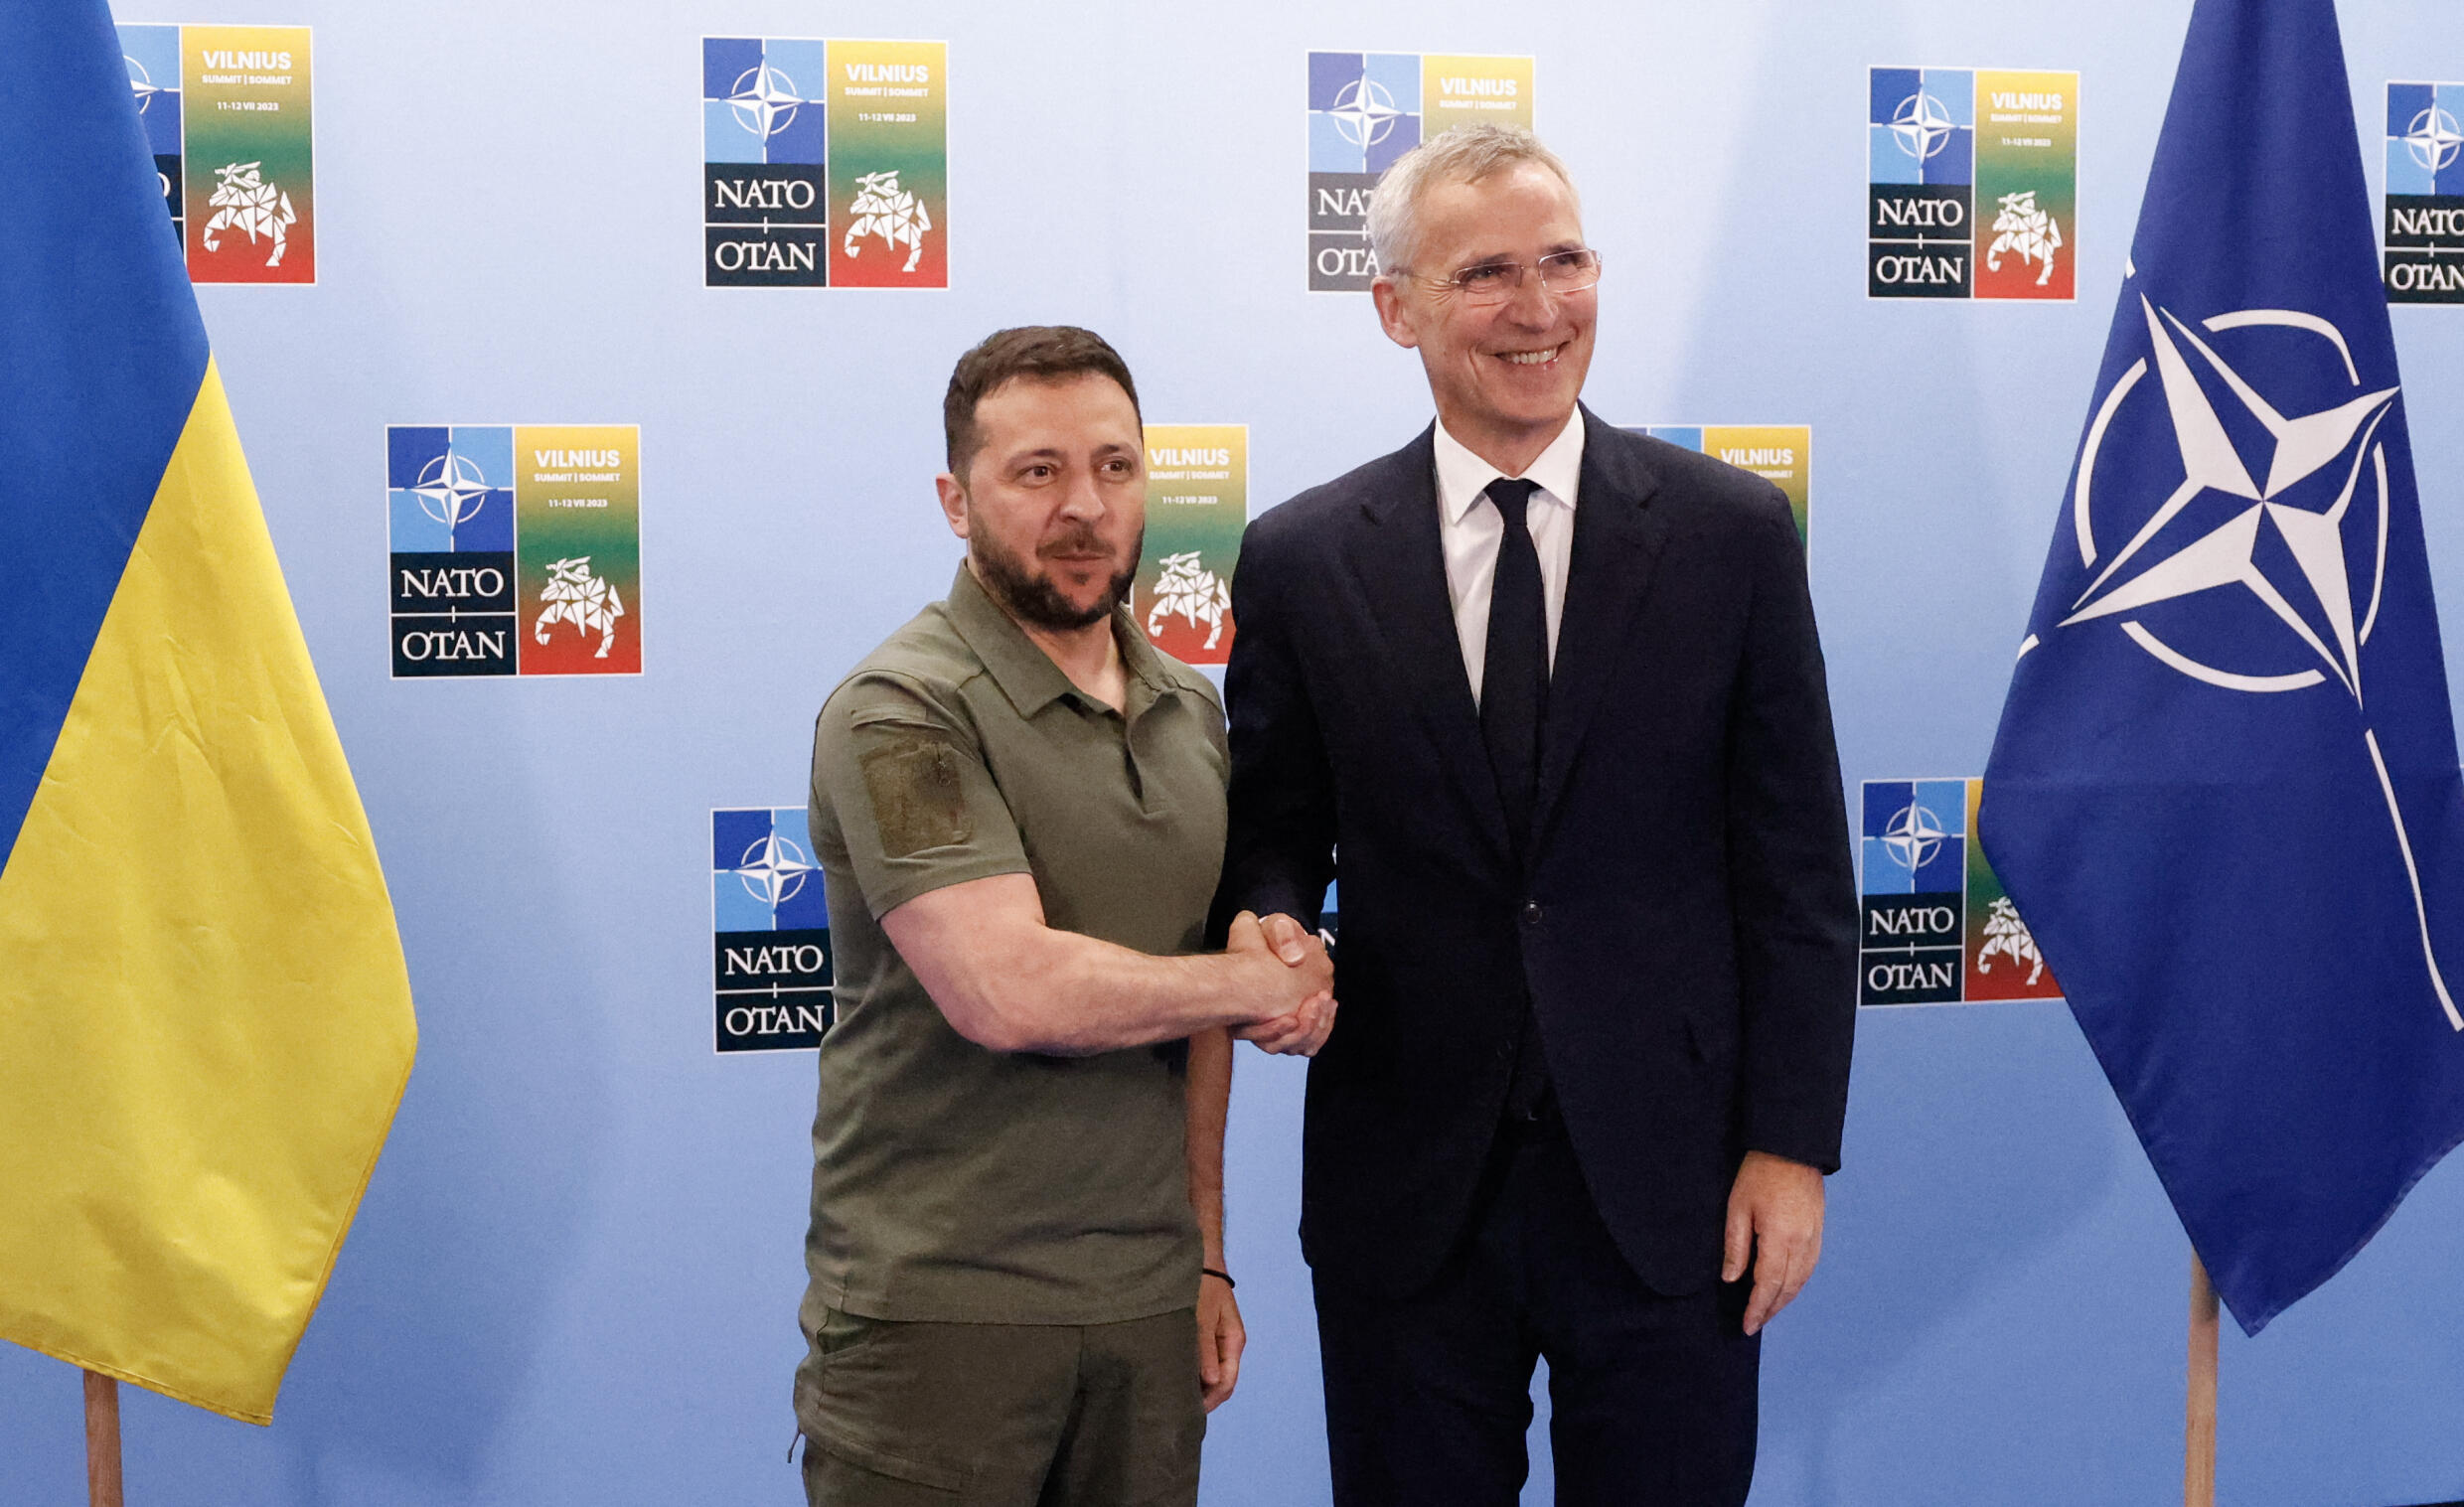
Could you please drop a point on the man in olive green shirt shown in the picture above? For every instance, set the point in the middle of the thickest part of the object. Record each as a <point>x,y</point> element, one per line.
<point>1017,1291</point>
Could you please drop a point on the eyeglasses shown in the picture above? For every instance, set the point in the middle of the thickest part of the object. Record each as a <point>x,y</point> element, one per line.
<point>1493,282</point>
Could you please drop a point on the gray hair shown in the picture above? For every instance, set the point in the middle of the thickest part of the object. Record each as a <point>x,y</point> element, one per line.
<point>1465,154</point>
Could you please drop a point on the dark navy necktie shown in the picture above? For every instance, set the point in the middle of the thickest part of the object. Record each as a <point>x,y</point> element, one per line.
<point>1514,676</point>
<point>1515,704</point>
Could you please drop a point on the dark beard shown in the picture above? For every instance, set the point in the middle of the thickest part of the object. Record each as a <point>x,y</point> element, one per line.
<point>1029,594</point>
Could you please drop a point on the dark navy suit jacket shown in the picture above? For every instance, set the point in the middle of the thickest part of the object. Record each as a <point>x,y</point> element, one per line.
<point>1684,917</point>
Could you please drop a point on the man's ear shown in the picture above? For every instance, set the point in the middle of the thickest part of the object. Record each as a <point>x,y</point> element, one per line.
<point>953,503</point>
<point>1387,294</point>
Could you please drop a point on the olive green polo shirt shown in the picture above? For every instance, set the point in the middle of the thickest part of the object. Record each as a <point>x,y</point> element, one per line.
<point>952,1183</point>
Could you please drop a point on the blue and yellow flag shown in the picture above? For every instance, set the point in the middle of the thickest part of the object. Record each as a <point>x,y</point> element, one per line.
<point>205,1022</point>
<point>2225,792</point>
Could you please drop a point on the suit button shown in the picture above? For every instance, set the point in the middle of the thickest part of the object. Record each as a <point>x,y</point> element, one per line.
<point>1531,914</point>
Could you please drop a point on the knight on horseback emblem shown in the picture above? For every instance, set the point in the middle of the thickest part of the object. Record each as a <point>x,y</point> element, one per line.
<point>1190,591</point>
<point>573,596</point>
<point>883,208</point>
<point>2006,934</point>
<point>2023,227</point>
<point>245,201</point>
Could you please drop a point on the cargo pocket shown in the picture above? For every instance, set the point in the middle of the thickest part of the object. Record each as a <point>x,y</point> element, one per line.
<point>839,1472</point>
<point>838,1333</point>
<point>859,1389</point>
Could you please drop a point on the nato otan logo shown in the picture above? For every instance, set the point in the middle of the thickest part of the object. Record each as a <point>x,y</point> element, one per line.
<point>769,932</point>
<point>765,187</point>
<point>2425,229</point>
<point>450,522</point>
<point>1363,114</point>
<point>1938,926</point>
<point>1365,110</point>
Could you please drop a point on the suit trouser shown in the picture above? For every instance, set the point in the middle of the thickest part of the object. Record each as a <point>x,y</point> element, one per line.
<point>1652,1399</point>
<point>937,1414</point>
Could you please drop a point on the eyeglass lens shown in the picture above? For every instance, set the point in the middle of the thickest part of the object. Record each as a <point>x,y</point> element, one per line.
<point>1560,271</point>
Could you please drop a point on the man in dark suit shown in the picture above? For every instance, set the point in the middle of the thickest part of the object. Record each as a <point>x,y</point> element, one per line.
<point>1553,691</point>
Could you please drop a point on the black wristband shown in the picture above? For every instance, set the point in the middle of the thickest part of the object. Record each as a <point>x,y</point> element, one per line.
<point>1226,1275</point>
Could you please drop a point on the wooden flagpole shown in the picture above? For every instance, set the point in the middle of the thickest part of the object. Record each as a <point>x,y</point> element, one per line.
<point>2199,1436</point>
<point>102,1441</point>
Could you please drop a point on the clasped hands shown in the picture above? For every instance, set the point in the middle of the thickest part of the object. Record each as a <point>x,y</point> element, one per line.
<point>1295,983</point>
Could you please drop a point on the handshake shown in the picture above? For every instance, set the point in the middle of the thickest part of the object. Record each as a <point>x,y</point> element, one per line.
<point>1287,973</point>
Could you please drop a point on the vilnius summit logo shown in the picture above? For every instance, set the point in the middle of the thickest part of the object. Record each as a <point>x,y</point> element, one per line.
<point>1781,454</point>
<point>1938,927</point>
<point>1973,184</point>
<point>516,548</point>
<point>825,163</point>
<point>1198,504</point>
<point>226,111</point>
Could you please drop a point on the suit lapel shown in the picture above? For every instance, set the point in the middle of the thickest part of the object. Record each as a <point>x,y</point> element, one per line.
<point>1395,554</point>
<point>1617,541</point>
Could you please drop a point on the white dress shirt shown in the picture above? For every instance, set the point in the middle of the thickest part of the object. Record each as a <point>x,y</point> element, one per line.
<point>1469,529</point>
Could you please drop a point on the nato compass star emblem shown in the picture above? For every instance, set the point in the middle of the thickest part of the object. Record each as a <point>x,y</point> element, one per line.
<point>450,489</point>
<point>140,83</point>
<point>1922,125</point>
<point>765,101</point>
<point>2169,560</point>
<point>2303,446</point>
<point>1914,836</point>
<point>1364,113</point>
<point>773,869</point>
<point>2433,138</point>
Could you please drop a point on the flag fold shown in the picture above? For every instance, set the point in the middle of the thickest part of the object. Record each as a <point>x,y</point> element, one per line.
<point>2224,791</point>
<point>205,1020</point>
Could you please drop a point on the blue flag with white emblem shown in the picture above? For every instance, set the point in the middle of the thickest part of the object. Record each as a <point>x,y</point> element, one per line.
<point>2224,791</point>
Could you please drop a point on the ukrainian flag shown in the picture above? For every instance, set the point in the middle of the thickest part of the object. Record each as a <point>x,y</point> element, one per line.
<point>204,1022</point>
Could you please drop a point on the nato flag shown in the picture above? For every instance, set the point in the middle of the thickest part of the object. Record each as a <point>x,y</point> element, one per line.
<point>2225,792</point>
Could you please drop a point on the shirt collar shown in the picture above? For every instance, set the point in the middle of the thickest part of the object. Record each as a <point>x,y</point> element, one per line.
<point>1463,476</point>
<point>1020,667</point>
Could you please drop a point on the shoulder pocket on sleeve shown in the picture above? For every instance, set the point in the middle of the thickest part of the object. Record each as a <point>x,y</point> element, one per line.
<point>918,800</point>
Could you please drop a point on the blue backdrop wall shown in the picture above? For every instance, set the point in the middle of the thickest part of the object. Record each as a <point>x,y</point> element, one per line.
<point>575,1273</point>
